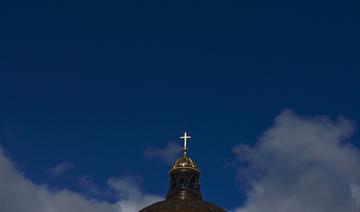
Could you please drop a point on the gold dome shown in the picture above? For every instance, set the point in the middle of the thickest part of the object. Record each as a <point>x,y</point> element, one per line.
<point>184,163</point>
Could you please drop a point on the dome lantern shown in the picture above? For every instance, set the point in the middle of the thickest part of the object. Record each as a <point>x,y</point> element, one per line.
<point>184,188</point>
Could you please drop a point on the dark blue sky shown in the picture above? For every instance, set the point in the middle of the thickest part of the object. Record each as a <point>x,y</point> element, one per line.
<point>96,83</point>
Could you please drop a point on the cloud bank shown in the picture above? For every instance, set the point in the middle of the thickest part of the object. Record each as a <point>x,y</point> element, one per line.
<point>168,154</point>
<point>18,194</point>
<point>301,164</point>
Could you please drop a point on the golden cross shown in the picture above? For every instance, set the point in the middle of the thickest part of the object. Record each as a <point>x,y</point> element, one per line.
<point>185,137</point>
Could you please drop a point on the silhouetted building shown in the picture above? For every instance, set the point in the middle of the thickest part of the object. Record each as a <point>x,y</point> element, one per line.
<point>184,188</point>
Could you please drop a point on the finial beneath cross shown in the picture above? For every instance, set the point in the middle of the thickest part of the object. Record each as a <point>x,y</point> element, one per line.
<point>185,137</point>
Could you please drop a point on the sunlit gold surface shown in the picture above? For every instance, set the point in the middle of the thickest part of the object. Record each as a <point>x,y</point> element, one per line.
<point>185,162</point>
<point>185,137</point>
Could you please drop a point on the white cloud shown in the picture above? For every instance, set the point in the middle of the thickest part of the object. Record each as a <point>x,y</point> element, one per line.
<point>18,194</point>
<point>302,164</point>
<point>61,168</point>
<point>168,154</point>
<point>132,198</point>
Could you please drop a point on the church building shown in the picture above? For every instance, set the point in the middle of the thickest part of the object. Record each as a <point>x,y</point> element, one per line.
<point>184,188</point>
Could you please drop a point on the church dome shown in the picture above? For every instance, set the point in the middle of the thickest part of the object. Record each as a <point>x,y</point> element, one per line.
<point>188,205</point>
<point>184,162</point>
<point>184,189</point>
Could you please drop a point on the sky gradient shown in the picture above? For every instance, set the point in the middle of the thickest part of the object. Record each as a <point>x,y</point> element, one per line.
<point>95,95</point>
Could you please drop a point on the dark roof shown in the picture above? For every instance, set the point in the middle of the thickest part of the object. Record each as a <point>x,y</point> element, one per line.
<point>179,205</point>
